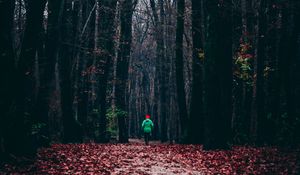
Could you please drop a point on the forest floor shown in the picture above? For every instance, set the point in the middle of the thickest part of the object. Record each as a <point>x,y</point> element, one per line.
<point>157,158</point>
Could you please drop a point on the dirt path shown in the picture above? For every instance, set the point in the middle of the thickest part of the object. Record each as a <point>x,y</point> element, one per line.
<point>143,159</point>
<point>147,160</point>
<point>116,159</point>
<point>135,158</point>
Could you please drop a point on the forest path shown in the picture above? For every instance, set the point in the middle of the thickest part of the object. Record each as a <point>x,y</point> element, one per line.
<point>143,159</point>
<point>135,158</point>
<point>117,159</point>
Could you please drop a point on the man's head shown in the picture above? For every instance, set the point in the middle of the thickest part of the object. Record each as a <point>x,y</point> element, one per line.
<point>147,116</point>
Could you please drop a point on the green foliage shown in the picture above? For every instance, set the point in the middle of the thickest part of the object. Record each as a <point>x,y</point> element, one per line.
<point>115,112</point>
<point>243,63</point>
<point>112,115</point>
<point>37,127</point>
<point>201,54</point>
<point>35,131</point>
<point>95,111</point>
<point>267,71</point>
<point>38,133</point>
<point>113,132</point>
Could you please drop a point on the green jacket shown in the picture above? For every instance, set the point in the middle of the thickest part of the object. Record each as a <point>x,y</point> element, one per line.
<point>147,125</point>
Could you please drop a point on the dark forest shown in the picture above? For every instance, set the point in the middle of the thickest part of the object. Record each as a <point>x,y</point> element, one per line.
<point>216,76</point>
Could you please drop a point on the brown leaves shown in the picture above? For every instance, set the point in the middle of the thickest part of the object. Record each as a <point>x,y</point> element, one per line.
<point>157,159</point>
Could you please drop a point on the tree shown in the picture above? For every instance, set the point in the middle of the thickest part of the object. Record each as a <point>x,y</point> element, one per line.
<point>218,74</point>
<point>243,48</point>
<point>26,79</point>
<point>179,70</point>
<point>83,99</point>
<point>47,62</point>
<point>103,62</point>
<point>7,75</point>
<point>296,71</point>
<point>127,7</point>
<point>161,65</point>
<point>287,71</point>
<point>259,98</point>
<point>196,109</point>
<point>71,129</point>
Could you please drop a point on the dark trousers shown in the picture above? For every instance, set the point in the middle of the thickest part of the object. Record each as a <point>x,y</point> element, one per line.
<point>147,137</point>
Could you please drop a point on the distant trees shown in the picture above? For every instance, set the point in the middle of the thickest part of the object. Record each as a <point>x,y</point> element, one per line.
<point>243,88</point>
<point>152,69</point>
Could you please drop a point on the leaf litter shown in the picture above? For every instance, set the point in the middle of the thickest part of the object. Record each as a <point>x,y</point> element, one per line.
<point>137,158</point>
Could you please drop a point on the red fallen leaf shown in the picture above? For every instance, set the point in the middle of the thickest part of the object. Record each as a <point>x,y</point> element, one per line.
<point>65,168</point>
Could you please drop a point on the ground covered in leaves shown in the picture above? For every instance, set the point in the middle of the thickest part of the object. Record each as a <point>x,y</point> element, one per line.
<point>136,158</point>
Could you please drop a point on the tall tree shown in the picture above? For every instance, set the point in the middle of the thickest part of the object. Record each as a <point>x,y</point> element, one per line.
<point>33,34</point>
<point>218,74</point>
<point>296,61</point>
<point>66,60</point>
<point>287,63</point>
<point>84,64</point>
<point>196,113</point>
<point>158,39</point>
<point>161,65</point>
<point>181,95</point>
<point>259,98</point>
<point>273,67</point>
<point>105,45</point>
<point>7,75</point>
<point>26,79</point>
<point>127,8</point>
<point>47,62</point>
<point>243,72</point>
<point>163,71</point>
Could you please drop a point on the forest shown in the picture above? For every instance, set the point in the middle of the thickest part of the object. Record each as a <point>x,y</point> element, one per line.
<point>218,74</point>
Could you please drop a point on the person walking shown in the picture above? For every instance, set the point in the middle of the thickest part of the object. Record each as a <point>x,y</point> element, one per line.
<point>147,126</point>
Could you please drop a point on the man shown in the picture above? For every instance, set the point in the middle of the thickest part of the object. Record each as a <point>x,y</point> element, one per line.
<point>147,126</point>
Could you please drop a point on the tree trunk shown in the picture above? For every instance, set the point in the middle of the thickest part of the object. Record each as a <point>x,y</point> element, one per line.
<point>26,80</point>
<point>183,115</point>
<point>161,65</point>
<point>272,78</point>
<point>106,35</point>
<point>287,69</point>
<point>260,94</point>
<point>163,72</point>
<point>86,63</point>
<point>122,67</point>
<point>196,114</point>
<point>218,75</point>
<point>7,75</point>
<point>70,126</point>
<point>295,67</point>
<point>47,63</point>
